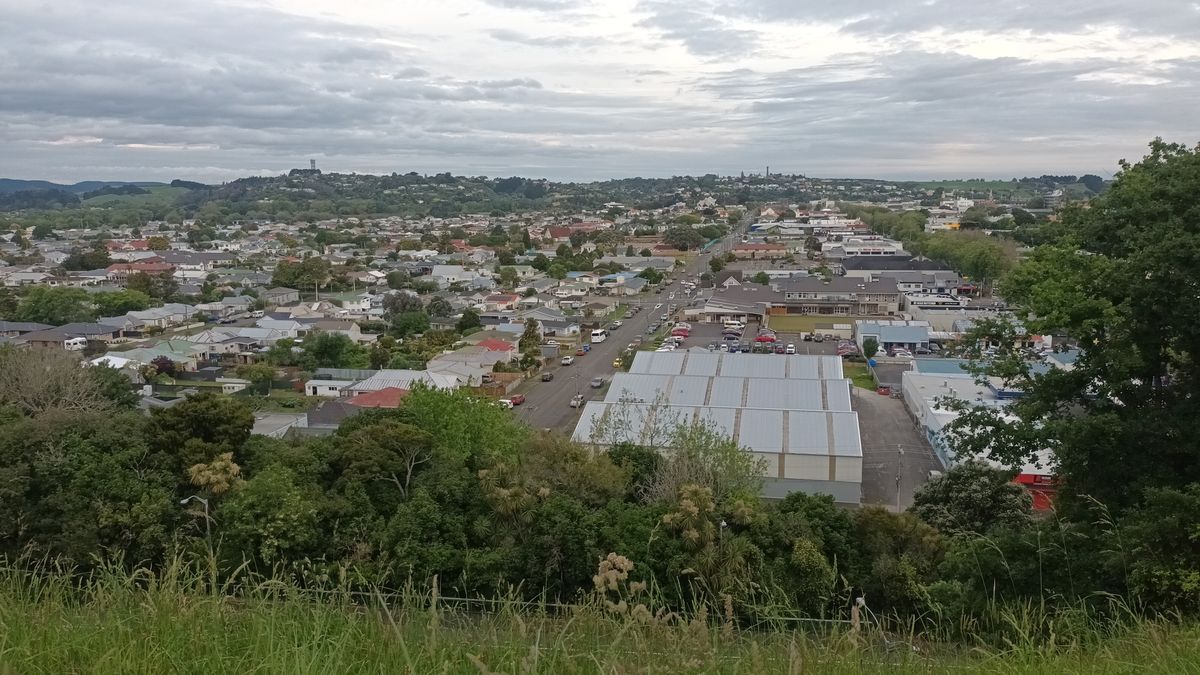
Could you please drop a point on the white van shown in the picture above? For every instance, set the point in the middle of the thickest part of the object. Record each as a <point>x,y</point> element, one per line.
<point>257,314</point>
<point>75,344</point>
<point>735,324</point>
<point>599,335</point>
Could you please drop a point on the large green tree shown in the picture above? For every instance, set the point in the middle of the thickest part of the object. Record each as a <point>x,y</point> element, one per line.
<point>55,306</point>
<point>1115,280</point>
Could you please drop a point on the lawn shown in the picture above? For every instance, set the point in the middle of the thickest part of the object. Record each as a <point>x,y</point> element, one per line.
<point>143,623</point>
<point>859,374</point>
<point>163,195</point>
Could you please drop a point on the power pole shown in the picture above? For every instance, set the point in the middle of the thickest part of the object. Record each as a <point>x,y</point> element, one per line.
<point>899,470</point>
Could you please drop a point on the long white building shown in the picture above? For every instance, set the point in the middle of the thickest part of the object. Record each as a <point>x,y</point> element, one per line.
<point>791,411</point>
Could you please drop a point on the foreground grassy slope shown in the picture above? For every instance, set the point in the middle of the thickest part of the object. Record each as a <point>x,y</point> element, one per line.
<point>139,625</point>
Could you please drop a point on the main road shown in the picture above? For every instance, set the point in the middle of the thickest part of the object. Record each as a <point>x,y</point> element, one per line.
<point>547,404</point>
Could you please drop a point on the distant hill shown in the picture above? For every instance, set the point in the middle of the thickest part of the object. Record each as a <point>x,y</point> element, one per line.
<point>9,185</point>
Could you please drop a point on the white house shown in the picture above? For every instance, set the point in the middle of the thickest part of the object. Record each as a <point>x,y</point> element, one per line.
<point>326,388</point>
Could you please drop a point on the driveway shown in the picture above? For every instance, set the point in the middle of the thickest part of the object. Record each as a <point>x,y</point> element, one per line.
<point>886,429</point>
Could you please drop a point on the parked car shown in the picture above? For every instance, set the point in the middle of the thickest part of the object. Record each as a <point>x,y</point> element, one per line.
<point>712,346</point>
<point>744,347</point>
<point>597,382</point>
<point>779,348</point>
<point>546,377</point>
<point>664,317</point>
<point>580,352</point>
<point>734,348</point>
<point>615,325</point>
<point>807,337</point>
<point>765,338</point>
<point>577,401</point>
<point>617,363</point>
<point>568,360</point>
<point>818,338</point>
<point>724,346</point>
<point>505,403</point>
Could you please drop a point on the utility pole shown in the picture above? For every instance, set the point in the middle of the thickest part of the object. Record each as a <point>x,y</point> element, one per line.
<point>899,470</point>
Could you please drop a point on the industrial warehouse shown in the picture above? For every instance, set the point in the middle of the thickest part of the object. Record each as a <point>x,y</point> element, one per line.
<point>791,411</point>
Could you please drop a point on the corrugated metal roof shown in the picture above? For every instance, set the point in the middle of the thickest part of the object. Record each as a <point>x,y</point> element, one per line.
<point>726,392</point>
<point>761,430</point>
<point>731,392</point>
<point>775,366</point>
<point>702,363</point>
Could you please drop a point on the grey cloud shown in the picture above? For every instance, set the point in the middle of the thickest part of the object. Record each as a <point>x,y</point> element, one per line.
<point>696,26</point>
<point>539,5</point>
<point>410,73</point>
<point>517,37</point>
<point>215,91</point>
<point>1157,17</point>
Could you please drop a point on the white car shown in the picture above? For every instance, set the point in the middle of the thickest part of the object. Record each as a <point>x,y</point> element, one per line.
<point>568,360</point>
<point>791,348</point>
<point>617,324</point>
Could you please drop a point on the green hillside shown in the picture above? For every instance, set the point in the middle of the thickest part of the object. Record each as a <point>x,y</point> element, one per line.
<point>159,196</point>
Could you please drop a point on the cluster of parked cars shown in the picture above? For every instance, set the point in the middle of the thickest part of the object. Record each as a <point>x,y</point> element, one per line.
<point>679,332</point>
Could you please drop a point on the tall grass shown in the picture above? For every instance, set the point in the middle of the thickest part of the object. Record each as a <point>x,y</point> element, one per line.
<point>179,620</point>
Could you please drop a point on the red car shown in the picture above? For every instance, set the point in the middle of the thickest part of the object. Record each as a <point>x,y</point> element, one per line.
<point>765,338</point>
<point>517,399</point>
<point>580,352</point>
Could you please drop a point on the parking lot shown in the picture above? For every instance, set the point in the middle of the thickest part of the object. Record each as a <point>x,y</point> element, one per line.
<point>704,334</point>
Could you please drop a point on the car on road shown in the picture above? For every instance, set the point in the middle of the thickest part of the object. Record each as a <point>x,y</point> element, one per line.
<point>615,325</point>
<point>568,360</point>
<point>515,399</point>
<point>580,352</point>
<point>617,363</point>
<point>664,317</point>
<point>724,346</point>
<point>577,401</point>
<point>597,382</point>
<point>504,403</point>
<point>712,346</point>
<point>547,377</point>
<point>791,348</point>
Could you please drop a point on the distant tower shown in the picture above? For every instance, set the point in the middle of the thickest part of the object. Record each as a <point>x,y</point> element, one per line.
<point>312,164</point>
<point>768,171</point>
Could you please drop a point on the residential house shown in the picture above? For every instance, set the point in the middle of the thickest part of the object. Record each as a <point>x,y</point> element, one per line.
<point>13,329</point>
<point>499,302</point>
<point>280,296</point>
<point>119,273</point>
<point>403,379</point>
<point>56,338</point>
<point>342,327</point>
<point>326,388</point>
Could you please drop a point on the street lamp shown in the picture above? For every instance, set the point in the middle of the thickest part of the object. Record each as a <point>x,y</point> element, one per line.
<point>207,518</point>
<point>899,469</point>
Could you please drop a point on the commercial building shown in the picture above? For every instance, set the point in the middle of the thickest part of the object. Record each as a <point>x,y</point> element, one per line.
<point>840,296</point>
<point>933,382</point>
<point>792,412</point>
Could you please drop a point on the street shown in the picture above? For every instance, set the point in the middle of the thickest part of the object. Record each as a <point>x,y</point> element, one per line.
<point>547,404</point>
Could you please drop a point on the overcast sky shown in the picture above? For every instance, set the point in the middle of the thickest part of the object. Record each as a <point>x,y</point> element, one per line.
<point>583,89</point>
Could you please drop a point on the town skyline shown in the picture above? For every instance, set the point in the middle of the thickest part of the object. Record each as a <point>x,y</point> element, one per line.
<point>579,90</point>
